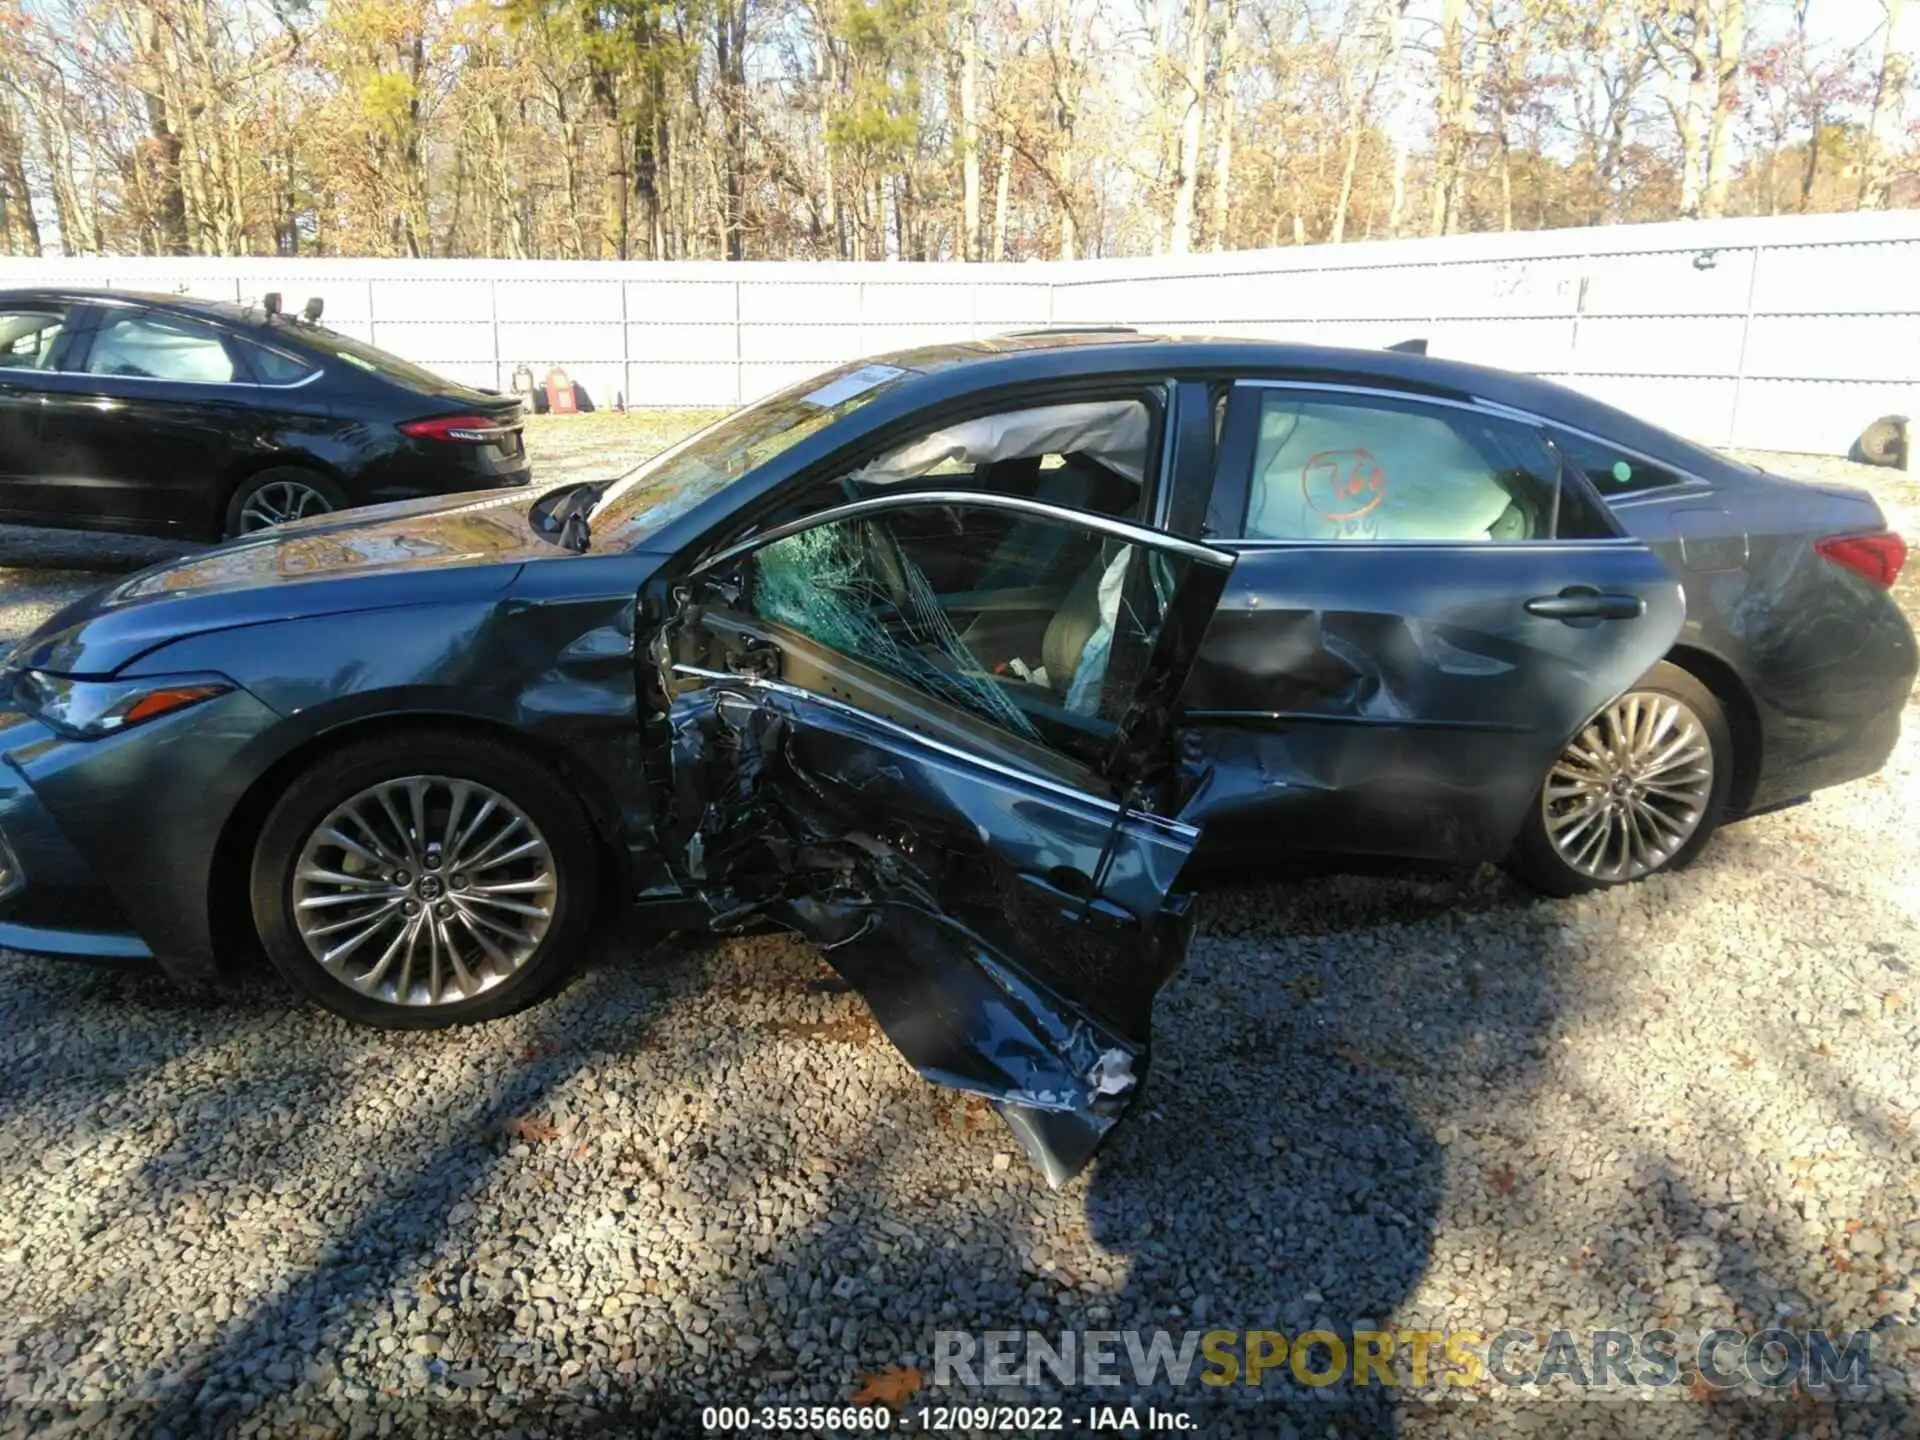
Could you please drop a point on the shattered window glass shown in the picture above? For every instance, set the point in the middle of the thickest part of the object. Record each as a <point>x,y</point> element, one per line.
<point>1038,625</point>
<point>1332,467</point>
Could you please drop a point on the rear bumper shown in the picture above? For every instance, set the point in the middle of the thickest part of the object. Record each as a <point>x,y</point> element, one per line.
<point>1836,719</point>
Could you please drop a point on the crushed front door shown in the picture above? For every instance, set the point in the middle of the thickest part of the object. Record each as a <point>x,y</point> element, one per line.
<point>982,850</point>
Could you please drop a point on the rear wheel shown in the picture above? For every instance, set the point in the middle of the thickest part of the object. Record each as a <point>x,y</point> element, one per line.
<point>1639,790</point>
<point>425,880</point>
<point>273,497</point>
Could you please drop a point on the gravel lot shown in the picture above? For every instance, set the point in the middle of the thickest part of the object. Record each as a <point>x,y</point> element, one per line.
<point>694,1178</point>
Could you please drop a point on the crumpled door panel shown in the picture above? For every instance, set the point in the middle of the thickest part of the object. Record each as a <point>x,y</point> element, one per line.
<point>958,898</point>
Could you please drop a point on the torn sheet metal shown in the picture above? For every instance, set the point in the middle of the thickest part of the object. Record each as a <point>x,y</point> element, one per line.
<point>957,897</point>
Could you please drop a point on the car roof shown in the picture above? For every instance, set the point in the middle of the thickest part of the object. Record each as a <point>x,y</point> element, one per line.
<point>224,310</point>
<point>1063,352</point>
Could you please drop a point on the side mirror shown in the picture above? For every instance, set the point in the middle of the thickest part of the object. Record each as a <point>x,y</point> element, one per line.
<point>271,303</point>
<point>315,308</point>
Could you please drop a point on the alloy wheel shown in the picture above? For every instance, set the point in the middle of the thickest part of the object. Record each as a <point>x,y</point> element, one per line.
<point>424,890</point>
<point>279,501</point>
<point>1631,789</point>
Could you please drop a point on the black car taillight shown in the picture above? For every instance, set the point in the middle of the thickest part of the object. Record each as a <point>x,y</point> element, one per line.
<point>459,429</point>
<point>1878,556</point>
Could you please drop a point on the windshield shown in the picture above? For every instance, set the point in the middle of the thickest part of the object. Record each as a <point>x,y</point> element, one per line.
<point>365,357</point>
<point>706,462</point>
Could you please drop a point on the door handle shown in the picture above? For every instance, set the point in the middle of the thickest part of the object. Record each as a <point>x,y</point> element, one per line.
<point>1579,603</point>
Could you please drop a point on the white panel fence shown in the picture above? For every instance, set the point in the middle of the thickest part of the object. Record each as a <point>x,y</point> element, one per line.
<point>1792,333</point>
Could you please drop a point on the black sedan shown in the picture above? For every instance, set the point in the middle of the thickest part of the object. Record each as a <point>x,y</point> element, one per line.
<point>192,420</point>
<point>950,662</point>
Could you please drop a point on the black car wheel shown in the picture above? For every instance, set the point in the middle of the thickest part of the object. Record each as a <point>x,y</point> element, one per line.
<point>273,497</point>
<point>1639,790</point>
<point>423,880</point>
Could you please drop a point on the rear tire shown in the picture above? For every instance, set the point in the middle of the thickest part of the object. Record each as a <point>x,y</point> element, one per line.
<point>425,880</point>
<point>1639,790</point>
<point>288,492</point>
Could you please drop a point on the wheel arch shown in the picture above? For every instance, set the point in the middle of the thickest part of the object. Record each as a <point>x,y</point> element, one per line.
<point>229,909</point>
<point>1743,717</point>
<point>259,464</point>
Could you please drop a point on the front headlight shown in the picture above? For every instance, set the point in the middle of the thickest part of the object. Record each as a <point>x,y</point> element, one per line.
<point>86,709</point>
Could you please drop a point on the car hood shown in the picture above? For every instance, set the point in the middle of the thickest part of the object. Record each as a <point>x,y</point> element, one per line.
<point>412,552</point>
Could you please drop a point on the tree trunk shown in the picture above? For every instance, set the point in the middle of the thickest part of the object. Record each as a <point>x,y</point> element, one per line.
<point>969,135</point>
<point>1729,52</point>
<point>1450,138</point>
<point>160,147</point>
<point>19,230</point>
<point>1180,231</point>
<point>1002,198</point>
<point>1693,116</point>
<point>1223,153</point>
<point>731,64</point>
<point>1889,105</point>
<point>1402,117</point>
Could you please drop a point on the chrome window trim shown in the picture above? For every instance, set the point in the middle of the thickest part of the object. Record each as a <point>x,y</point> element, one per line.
<point>1504,547</point>
<point>1480,405</point>
<point>157,380</point>
<point>1147,818</point>
<point>1119,529</point>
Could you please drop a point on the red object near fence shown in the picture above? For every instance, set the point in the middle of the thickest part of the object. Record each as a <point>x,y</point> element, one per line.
<point>560,396</point>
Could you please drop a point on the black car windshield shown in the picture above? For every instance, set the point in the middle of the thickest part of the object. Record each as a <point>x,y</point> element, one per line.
<point>365,357</point>
<point>709,460</point>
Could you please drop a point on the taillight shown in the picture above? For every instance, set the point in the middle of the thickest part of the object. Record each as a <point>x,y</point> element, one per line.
<point>470,429</point>
<point>1878,557</point>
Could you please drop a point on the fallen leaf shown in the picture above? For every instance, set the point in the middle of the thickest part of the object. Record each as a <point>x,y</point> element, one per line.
<point>1842,1263</point>
<point>1892,1000</point>
<point>1699,1389</point>
<point>528,1128</point>
<point>892,1387</point>
<point>1742,1061</point>
<point>1821,1051</point>
<point>1502,1180</point>
<point>1854,1227</point>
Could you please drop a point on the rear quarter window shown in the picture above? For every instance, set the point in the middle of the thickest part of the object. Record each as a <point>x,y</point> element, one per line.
<point>274,367</point>
<point>1612,471</point>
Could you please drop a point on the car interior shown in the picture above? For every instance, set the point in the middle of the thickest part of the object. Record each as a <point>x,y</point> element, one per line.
<point>27,338</point>
<point>155,347</point>
<point>1037,624</point>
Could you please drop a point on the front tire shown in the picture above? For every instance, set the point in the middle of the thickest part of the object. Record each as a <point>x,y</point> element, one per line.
<point>1638,791</point>
<point>425,880</point>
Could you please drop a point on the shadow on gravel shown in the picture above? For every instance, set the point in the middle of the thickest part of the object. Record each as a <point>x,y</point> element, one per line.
<point>1277,1173</point>
<point>1287,1180</point>
<point>416,1155</point>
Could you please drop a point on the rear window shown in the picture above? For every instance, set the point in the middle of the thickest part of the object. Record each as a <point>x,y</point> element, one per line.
<point>371,360</point>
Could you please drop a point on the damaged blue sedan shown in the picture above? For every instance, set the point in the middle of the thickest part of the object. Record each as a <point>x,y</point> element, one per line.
<point>960,664</point>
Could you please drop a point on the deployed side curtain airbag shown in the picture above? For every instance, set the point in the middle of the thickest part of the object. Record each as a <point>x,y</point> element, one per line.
<point>1113,432</point>
<point>1325,472</point>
